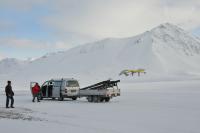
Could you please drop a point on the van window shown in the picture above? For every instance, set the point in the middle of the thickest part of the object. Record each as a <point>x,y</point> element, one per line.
<point>57,83</point>
<point>72,83</point>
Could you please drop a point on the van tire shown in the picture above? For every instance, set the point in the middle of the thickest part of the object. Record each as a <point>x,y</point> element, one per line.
<point>107,99</point>
<point>40,97</point>
<point>60,98</point>
<point>102,99</point>
<point>74,98</point>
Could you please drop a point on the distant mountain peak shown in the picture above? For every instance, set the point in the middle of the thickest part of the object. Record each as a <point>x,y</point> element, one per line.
<point>171,36</point>
<point>168,27</point>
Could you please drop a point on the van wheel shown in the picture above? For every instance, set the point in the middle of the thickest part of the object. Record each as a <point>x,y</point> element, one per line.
<point>60,98</point>
<point>90,99</point>
<point>74,98</point>
<point>102,99</point>
<point>107,99</point>
<point>40,97</point>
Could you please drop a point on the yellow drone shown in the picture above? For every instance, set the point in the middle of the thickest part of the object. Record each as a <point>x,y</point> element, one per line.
<point>132,72</point>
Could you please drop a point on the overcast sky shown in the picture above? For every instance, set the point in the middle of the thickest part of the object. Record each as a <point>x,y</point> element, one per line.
<point>31,28</point>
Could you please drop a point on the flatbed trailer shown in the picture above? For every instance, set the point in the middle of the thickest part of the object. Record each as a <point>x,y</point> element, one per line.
<point>100,92</point>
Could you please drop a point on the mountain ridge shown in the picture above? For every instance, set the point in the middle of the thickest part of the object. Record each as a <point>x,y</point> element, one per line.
<point>164,50</point>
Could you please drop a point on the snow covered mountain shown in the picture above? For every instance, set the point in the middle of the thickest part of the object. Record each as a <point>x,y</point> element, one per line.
<point>164,50</point>
<point>11,65</point>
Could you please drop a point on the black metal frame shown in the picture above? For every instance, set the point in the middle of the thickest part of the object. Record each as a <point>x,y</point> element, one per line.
<point>101,85</point>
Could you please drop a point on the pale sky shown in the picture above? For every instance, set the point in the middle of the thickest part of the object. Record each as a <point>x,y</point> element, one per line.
<point>31,28</point>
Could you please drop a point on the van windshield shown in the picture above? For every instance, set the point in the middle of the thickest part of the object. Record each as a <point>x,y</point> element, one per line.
<point>72,83</point>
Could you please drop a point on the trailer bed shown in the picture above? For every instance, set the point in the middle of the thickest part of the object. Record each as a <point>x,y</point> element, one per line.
<point>101,91</point>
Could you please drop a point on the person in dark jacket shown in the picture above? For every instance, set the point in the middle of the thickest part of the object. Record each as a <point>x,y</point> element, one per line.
<point>9,95</point>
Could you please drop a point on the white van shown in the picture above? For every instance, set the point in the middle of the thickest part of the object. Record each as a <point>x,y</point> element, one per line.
<point>59,88</point>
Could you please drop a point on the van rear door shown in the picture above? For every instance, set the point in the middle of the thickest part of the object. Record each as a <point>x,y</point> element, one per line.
<point>72,87</point>
<point>57,85</point>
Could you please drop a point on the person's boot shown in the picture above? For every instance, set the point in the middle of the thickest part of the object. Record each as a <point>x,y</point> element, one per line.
<point>12,107</point>
<point>7,107</point>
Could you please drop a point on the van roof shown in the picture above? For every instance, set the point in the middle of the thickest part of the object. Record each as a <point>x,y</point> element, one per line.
<point>63,79</point>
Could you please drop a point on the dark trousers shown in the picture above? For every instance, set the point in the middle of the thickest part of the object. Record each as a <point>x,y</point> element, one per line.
<point>8,98</point>
<point>34,96</point>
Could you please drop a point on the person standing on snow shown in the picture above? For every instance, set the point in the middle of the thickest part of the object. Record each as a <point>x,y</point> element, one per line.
<point>36,91</point>
<point>9,95</point>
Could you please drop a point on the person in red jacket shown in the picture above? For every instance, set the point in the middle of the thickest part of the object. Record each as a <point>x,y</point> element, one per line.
<point>36,91</point>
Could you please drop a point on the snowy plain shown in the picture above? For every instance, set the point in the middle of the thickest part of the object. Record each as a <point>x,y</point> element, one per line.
<point>164,100</point>
<point>143,107</point>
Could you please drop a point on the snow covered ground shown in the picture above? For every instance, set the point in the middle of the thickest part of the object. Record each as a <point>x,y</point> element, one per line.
<point>143,107</point>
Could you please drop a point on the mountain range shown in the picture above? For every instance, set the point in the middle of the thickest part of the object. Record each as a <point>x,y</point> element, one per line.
<point>166,50</point>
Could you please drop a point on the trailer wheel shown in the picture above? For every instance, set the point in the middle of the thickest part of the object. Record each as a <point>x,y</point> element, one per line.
<point>74,98</point>
<point>96,99</point>
<point>90,99</point>
<point>107,99</point>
